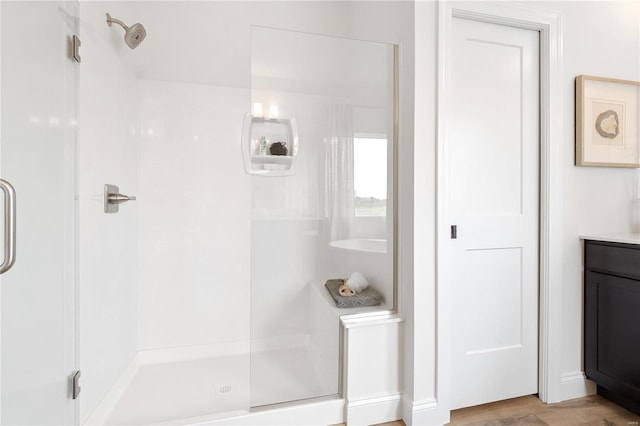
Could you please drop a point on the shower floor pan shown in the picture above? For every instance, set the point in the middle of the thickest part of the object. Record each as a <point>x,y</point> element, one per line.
<point>200,390</point>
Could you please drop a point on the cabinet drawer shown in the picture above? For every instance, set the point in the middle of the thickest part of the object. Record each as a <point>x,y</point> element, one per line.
<point>618,259</point>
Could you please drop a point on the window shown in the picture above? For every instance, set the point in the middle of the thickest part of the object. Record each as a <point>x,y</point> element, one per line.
<point>370,175</point>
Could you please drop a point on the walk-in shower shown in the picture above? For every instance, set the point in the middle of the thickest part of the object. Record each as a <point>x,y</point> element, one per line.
<point>231,270</point>
<point>206,299</point>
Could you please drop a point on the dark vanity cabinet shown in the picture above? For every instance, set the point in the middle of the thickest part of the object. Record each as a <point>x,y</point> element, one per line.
<point>612,320</point>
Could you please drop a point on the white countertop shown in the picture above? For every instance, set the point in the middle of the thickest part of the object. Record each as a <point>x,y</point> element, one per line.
<point>614,238</point>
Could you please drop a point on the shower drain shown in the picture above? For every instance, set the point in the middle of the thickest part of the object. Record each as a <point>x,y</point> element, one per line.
<point>224,389</point>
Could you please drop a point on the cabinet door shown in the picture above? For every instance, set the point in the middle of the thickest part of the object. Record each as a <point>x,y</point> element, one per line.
<point>612,332</point>
<point>37,159</point>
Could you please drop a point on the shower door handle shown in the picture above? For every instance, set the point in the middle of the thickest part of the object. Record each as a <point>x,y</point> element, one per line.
<point>9,225</point>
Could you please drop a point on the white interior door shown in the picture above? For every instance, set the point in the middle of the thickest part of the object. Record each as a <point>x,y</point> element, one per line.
<point>37,146</point>
<point>494,175</point>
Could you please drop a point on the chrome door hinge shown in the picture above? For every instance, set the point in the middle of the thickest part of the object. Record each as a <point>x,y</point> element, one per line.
<point>75,385</point>
<point>75,48</point>
<point>454,232</point>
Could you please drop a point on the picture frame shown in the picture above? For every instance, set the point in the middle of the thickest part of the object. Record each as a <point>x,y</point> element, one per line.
<point>607,122</point>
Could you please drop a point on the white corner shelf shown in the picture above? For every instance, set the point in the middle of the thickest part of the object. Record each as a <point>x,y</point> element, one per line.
<point>271,163</point>
<point>259,162</point>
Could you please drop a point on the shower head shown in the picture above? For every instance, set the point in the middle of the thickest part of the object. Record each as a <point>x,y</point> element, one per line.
<point>133,35</point>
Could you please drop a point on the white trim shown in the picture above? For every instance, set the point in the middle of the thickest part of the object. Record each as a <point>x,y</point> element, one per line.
<point>369,411</point>
<point>105,406</point>
<point>576,385</point>
<point>425,412</point>
<point>363,135</point>
<point>370,321</point>
<point>549,25</point>
<point>363,402</point>
<point>427,404</point>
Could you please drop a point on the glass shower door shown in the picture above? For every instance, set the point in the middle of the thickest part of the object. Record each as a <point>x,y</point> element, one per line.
<point>312,220</point>
<point>37,158</point>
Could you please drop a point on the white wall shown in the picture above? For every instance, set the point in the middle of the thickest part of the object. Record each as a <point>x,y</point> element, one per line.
<point>194,210</point>
<point>210,41</point>
<point>596,200</point>
<point>107,153</point>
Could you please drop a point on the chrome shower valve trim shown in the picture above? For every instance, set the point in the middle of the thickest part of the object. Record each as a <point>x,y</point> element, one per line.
<point>113,198</point>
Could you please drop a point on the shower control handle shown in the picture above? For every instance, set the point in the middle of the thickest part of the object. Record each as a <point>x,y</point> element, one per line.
<point>120,198</point>
<point>113,198</point>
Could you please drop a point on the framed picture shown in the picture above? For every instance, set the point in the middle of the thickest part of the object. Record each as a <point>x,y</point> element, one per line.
<point>607,115</point>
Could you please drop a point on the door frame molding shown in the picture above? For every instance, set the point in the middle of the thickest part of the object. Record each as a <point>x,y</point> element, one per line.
<point>549,24</point>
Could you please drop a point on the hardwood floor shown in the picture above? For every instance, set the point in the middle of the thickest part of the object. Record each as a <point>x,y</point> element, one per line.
<point>589,411</point>
<point>592,410</point>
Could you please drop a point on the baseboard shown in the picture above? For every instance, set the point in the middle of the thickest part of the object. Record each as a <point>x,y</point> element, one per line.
<point>371,411</point>
<point>575,385</point>
<point>426,412</point>
<point>106,405</point>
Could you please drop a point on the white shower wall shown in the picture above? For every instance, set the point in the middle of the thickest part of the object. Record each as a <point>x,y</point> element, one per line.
<point>289,230</point>
<point>194,206</point>
<point>106,153</point>
<point>206,229</point>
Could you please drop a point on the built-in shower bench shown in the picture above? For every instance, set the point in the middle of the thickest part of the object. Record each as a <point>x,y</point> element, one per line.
<point>372,389</point>
<point>318,290</point>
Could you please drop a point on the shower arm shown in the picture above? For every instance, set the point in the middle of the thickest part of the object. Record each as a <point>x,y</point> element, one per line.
<point>111,20</point>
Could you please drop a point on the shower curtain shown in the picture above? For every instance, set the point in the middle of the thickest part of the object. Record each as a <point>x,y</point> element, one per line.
<point>339,190</point>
